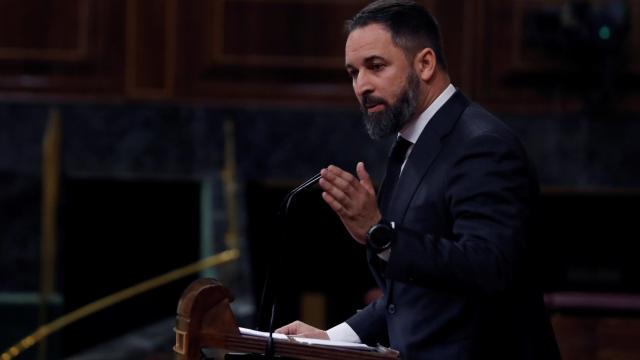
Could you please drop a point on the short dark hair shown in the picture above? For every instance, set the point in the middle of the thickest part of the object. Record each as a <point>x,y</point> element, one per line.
<point>412,27</point>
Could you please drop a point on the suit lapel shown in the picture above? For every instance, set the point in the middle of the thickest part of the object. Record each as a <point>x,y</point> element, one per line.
<point>424,152</point>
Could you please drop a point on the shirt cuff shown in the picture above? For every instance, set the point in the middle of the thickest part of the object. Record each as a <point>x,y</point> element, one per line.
<point>343,332</point>
<point>385,255</point>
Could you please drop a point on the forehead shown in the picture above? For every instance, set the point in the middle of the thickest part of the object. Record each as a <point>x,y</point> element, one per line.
<point>369,41</point>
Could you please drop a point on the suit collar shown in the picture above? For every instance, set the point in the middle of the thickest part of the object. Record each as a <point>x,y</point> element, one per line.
<point>424,152</point>
<point>445,119</point>
<point>412,130</point>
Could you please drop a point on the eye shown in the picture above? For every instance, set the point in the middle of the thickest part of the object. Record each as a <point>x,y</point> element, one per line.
<point>378,66</point>
<point>353,74</point>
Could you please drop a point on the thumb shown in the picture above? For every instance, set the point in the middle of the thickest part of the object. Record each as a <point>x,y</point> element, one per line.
<point>364,177</point>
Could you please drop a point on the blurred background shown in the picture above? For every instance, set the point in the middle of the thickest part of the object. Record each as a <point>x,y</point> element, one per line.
<point>139,136</point>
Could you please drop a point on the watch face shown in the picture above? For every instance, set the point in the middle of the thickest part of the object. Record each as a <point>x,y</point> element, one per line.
<point>380,236</point>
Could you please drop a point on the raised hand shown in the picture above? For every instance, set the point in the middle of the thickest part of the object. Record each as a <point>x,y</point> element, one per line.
<point>353,199</point>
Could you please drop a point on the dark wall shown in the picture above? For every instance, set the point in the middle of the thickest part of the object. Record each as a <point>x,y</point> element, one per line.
<point>586,167</point>
<point>574,155</point>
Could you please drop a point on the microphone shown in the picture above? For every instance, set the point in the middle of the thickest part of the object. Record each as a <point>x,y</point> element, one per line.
<point>283,214</point>
<point>284,208</point>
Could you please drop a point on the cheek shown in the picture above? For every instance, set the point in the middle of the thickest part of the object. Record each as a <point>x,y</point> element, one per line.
<point>395,90</point>
<point>387,88</point>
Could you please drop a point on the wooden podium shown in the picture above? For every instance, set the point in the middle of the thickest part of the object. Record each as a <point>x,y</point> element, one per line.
<point>205,320</point>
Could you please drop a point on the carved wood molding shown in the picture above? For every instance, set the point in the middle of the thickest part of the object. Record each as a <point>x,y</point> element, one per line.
<point>140,82</point>
<point>78,53</point>
<point>525,64</point>
<point>219,54</point>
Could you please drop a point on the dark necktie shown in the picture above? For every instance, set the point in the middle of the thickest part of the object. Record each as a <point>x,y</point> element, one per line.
<point>396,158</point>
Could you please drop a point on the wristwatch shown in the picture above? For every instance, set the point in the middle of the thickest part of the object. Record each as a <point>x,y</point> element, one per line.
<point>381,235</point>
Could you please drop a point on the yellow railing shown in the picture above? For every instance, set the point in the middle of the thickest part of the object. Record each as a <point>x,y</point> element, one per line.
<point>50,170</point>
<point>47,329</point>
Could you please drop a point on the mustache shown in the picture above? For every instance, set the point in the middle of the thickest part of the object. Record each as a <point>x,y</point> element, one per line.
<point>369,100</point>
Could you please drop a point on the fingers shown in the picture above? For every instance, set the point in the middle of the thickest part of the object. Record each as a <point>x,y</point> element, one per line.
<point>333,203</point>
<point>339,178</point>
<point>286,330</point>
<point>352,198</point>
<point>345,188</point>
<point>364,177</point>
<point>290,329</point>
<point>344,179</point>
<point>338,188</point>
<point>336,193</point>
<point>298,328</point>
<point>345,193</point>
<point>317,334</point>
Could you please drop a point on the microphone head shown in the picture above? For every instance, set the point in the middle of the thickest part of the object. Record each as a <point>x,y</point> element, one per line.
<point>284,209</point>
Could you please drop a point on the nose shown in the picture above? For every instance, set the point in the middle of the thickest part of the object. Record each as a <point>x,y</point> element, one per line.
<point>362,84</point>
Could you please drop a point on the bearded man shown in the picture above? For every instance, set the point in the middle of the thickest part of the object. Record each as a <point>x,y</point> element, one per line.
<point>445,236</point>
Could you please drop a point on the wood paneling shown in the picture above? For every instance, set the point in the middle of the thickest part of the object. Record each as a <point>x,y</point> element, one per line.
<point>44,31</point>
<point>279,33</point>
<point>506,68</point>
<point>529,65</point>
<point>458,21</point>
<point>597,337</point>
<point>292,51</point>
<point>60,47</point>
<point>264,50</point>
<point>150,51</point>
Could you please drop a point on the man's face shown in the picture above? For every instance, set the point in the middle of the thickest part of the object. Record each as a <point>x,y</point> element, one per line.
<point>383,80</point>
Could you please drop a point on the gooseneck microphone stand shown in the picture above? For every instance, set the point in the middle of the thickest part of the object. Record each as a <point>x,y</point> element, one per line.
<point>270,278</point>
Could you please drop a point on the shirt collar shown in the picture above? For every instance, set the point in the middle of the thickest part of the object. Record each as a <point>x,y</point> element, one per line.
<point>413,130</point>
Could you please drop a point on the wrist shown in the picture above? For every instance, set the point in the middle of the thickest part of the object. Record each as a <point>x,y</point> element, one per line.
<point>381,235</point>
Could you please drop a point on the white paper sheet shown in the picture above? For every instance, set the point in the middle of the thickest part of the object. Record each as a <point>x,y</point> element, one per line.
<point>342,344</point>
<point>264,334</point>
<point>308,341</point>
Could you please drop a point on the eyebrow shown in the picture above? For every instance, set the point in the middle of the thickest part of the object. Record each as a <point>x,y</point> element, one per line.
<point>373,58</point>
<point>367,60</point>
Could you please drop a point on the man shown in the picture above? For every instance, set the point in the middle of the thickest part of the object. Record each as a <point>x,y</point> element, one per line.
<point>446,240</point>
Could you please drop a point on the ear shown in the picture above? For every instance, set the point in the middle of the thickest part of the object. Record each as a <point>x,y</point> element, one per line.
<point>425,64</point>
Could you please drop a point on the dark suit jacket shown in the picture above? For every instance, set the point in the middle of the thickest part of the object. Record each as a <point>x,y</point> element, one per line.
<point>458,283</point>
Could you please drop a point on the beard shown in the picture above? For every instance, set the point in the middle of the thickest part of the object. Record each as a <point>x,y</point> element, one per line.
<point>389,121</point>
